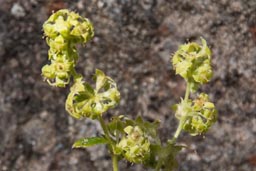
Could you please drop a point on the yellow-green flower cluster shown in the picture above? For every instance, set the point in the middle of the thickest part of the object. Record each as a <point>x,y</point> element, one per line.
<point>84,101</point>
<point>135,146</point>
<point>193,63</point>
<point>63,30</point>
<point>199,115</point>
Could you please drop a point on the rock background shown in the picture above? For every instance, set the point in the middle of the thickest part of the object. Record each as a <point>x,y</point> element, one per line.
<point>132,44</point>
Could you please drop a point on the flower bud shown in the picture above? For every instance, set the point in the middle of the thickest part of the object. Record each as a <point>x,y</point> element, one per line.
<point>192,62</point>
<point>48,72</point>
<point>135,146</point>
<point>57,44</point>
<point>63,30</point>
<point>69,25</point>
<point>49,29</point>
<point>57,24</point>
<point>202,116</point>
<point>57,73</point>
<point>203,73</point>
<point>82,31</point>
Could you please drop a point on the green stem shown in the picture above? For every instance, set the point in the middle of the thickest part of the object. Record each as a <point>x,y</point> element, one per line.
<point>178,130</point>
<point>111,143</point>
<point>69,54</point>
<point>184,118</point>
<point>74,73</point>
<point>105,130</point>
<point>187,92</point>
<point>115,162</point>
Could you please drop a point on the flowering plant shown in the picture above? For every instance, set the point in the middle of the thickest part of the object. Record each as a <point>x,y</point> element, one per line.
<point>136,140</point>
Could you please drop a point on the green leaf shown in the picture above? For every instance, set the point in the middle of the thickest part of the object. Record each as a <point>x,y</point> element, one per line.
<point>88,142</point>
<point>149,127</point>
<point>100,78</point>
<point>163,157</point>
<point>116,125</point>
<point>89,89</point>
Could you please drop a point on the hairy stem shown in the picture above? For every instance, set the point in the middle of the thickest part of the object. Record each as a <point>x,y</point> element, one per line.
<point>187,92</point>
<point>178,130</point>
<point>105,130</point>
<point>114,162</point>
<point>111,143</point>
<point>184,118</point>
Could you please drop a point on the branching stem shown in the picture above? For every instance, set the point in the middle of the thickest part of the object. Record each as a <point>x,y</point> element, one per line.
<point>184,117</point>
<point>111,143</point>
<point>105,130</point>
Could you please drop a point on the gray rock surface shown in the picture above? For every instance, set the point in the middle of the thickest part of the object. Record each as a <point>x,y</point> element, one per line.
<point>132,44</point>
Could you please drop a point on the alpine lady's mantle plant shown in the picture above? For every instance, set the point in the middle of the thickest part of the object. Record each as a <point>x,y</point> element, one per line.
<point>137,140</point>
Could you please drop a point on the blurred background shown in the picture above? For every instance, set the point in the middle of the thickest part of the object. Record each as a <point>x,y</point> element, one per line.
<point>133,42</point>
